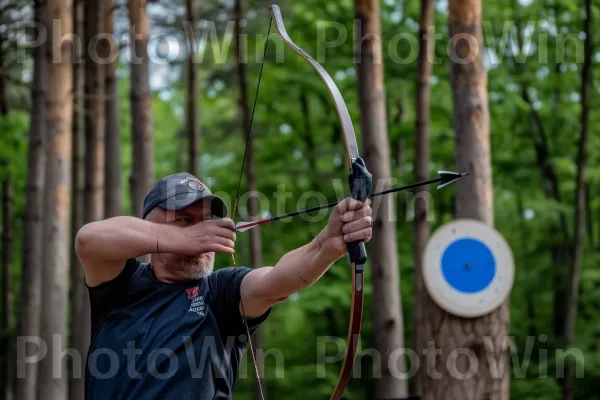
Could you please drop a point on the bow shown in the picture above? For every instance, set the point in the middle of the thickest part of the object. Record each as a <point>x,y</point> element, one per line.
<point>359,180</point>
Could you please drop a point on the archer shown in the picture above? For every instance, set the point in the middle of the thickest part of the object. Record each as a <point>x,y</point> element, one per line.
<point>174,328</point>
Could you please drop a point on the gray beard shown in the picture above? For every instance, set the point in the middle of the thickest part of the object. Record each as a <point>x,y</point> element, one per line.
<point>192,268</point>
<point>196,269</point>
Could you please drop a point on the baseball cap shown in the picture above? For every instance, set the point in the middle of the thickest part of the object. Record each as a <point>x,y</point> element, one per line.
<point>178,191</point>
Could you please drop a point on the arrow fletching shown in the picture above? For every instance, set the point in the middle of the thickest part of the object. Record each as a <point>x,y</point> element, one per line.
<point>246,225</point>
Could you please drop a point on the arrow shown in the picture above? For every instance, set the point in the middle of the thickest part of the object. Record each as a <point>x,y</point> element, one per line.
<point>445,178</point>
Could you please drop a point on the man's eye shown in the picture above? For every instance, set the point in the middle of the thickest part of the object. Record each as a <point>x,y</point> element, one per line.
<point>183,220</point>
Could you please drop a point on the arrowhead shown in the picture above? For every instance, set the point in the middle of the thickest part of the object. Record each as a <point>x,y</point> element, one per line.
<point>448,177</point>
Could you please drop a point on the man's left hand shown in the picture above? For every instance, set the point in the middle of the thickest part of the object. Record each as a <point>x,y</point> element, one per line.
<point>349,221</point>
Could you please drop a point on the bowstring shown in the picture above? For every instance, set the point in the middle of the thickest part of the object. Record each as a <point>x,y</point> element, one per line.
<point>235,204</point>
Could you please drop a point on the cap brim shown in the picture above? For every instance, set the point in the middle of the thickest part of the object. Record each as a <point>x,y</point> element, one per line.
<point>178,202</point>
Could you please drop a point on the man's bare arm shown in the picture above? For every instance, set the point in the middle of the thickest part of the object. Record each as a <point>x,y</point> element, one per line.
<point>264,287</point>
<point>104,246</point>
<point>296,270</point>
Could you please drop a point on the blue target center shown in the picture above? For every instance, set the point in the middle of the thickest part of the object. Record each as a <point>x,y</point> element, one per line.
<point>468,265</point>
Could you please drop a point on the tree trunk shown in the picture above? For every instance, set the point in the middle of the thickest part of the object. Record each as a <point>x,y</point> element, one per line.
<point>253,204</point>
<point>52,380</point>
<point>78,290</point>
<point>572,300</point>
<point>31,278</point>
<point>93,207</point>
<point>192,94</point>
<point>589,216</point>
<point>388,325</point>
<point>7,284</point>
<point>420,225</point>
<point>113,191</point>
<point>142,175</point>
<point>486,336</point>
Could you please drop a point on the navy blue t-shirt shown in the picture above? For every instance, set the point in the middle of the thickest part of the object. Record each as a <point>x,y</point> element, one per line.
<point>155,340</point>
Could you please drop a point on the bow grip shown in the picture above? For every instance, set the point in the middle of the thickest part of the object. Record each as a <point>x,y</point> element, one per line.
<point>360,181</point>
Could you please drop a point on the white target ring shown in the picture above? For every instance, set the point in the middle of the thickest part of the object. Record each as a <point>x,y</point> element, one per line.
<point>468,268</point>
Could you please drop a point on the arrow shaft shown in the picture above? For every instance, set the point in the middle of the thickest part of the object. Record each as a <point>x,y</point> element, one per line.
<point>252,224</point>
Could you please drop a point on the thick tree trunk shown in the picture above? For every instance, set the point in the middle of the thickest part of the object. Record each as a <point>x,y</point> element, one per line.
<point>572,300</point>
<point>486,336</point>
<point>421,225</point>
<point>192,95</point>
<point>142,175</point>
<point>52,380</point>
<point>253,204</point>
<point>113,191</point>
<point>7,284</point>
<point>78,289</point>
<point>31,278</point>
<point>388,324</point>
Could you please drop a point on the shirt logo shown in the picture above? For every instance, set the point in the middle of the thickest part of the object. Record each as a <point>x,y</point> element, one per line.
<point>192,292</point>
<point>197,304</point>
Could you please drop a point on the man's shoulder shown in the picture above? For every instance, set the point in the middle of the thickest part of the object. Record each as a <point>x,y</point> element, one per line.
<point>229,276</point>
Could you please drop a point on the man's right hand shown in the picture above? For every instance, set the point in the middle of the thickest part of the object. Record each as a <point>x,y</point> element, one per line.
<point>215,235</point>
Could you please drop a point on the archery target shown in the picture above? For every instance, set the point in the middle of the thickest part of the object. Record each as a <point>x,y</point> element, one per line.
<point>468,268</point>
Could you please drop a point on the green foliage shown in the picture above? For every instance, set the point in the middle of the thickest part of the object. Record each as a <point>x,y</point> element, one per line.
<point>300,150</point>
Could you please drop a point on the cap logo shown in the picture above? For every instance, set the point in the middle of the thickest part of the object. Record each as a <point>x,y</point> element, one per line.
<point>196,185</point>
<point>184,180</point>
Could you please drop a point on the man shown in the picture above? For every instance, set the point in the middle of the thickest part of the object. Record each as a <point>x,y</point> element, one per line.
<point>173,328</point>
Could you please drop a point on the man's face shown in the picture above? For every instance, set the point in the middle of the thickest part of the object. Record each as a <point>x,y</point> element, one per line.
<point>191,267</point>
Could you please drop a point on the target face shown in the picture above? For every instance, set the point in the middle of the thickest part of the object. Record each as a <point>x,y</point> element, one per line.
<point>468,268</point>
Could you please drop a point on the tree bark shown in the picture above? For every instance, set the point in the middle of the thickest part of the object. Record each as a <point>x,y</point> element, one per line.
<point>572,300</point>
<point>142,175</point>
<point>486,336</point>
<point>7,284</point>
<point>31,278</point>
<point>387,309</point>
<point>78,300</point>
<point>52,381</point>
<point>420,225</point>
<point>113,191</point>
<point>192,95</point>
<point>93,201</point>
<point>251,181</point>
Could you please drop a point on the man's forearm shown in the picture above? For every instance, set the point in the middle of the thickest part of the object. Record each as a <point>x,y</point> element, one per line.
<point>121,238</point>
<point>298,269</point>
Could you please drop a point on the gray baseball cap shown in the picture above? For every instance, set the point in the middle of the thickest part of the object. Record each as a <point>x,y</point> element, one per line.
<point>178,191</point>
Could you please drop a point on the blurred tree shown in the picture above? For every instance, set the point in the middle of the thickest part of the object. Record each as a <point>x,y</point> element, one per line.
<point>252,205</point>
<point>388,323</point>
<point>142,173</point>
<point>422,196</point>
<point>78,299</point>
<point>29,316</point>
<point>53,383</point>
<point>7,282</point>
<point>580,186</point>
<point>192,91</point>
<point>473,200</point>
<point>113,188</point>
